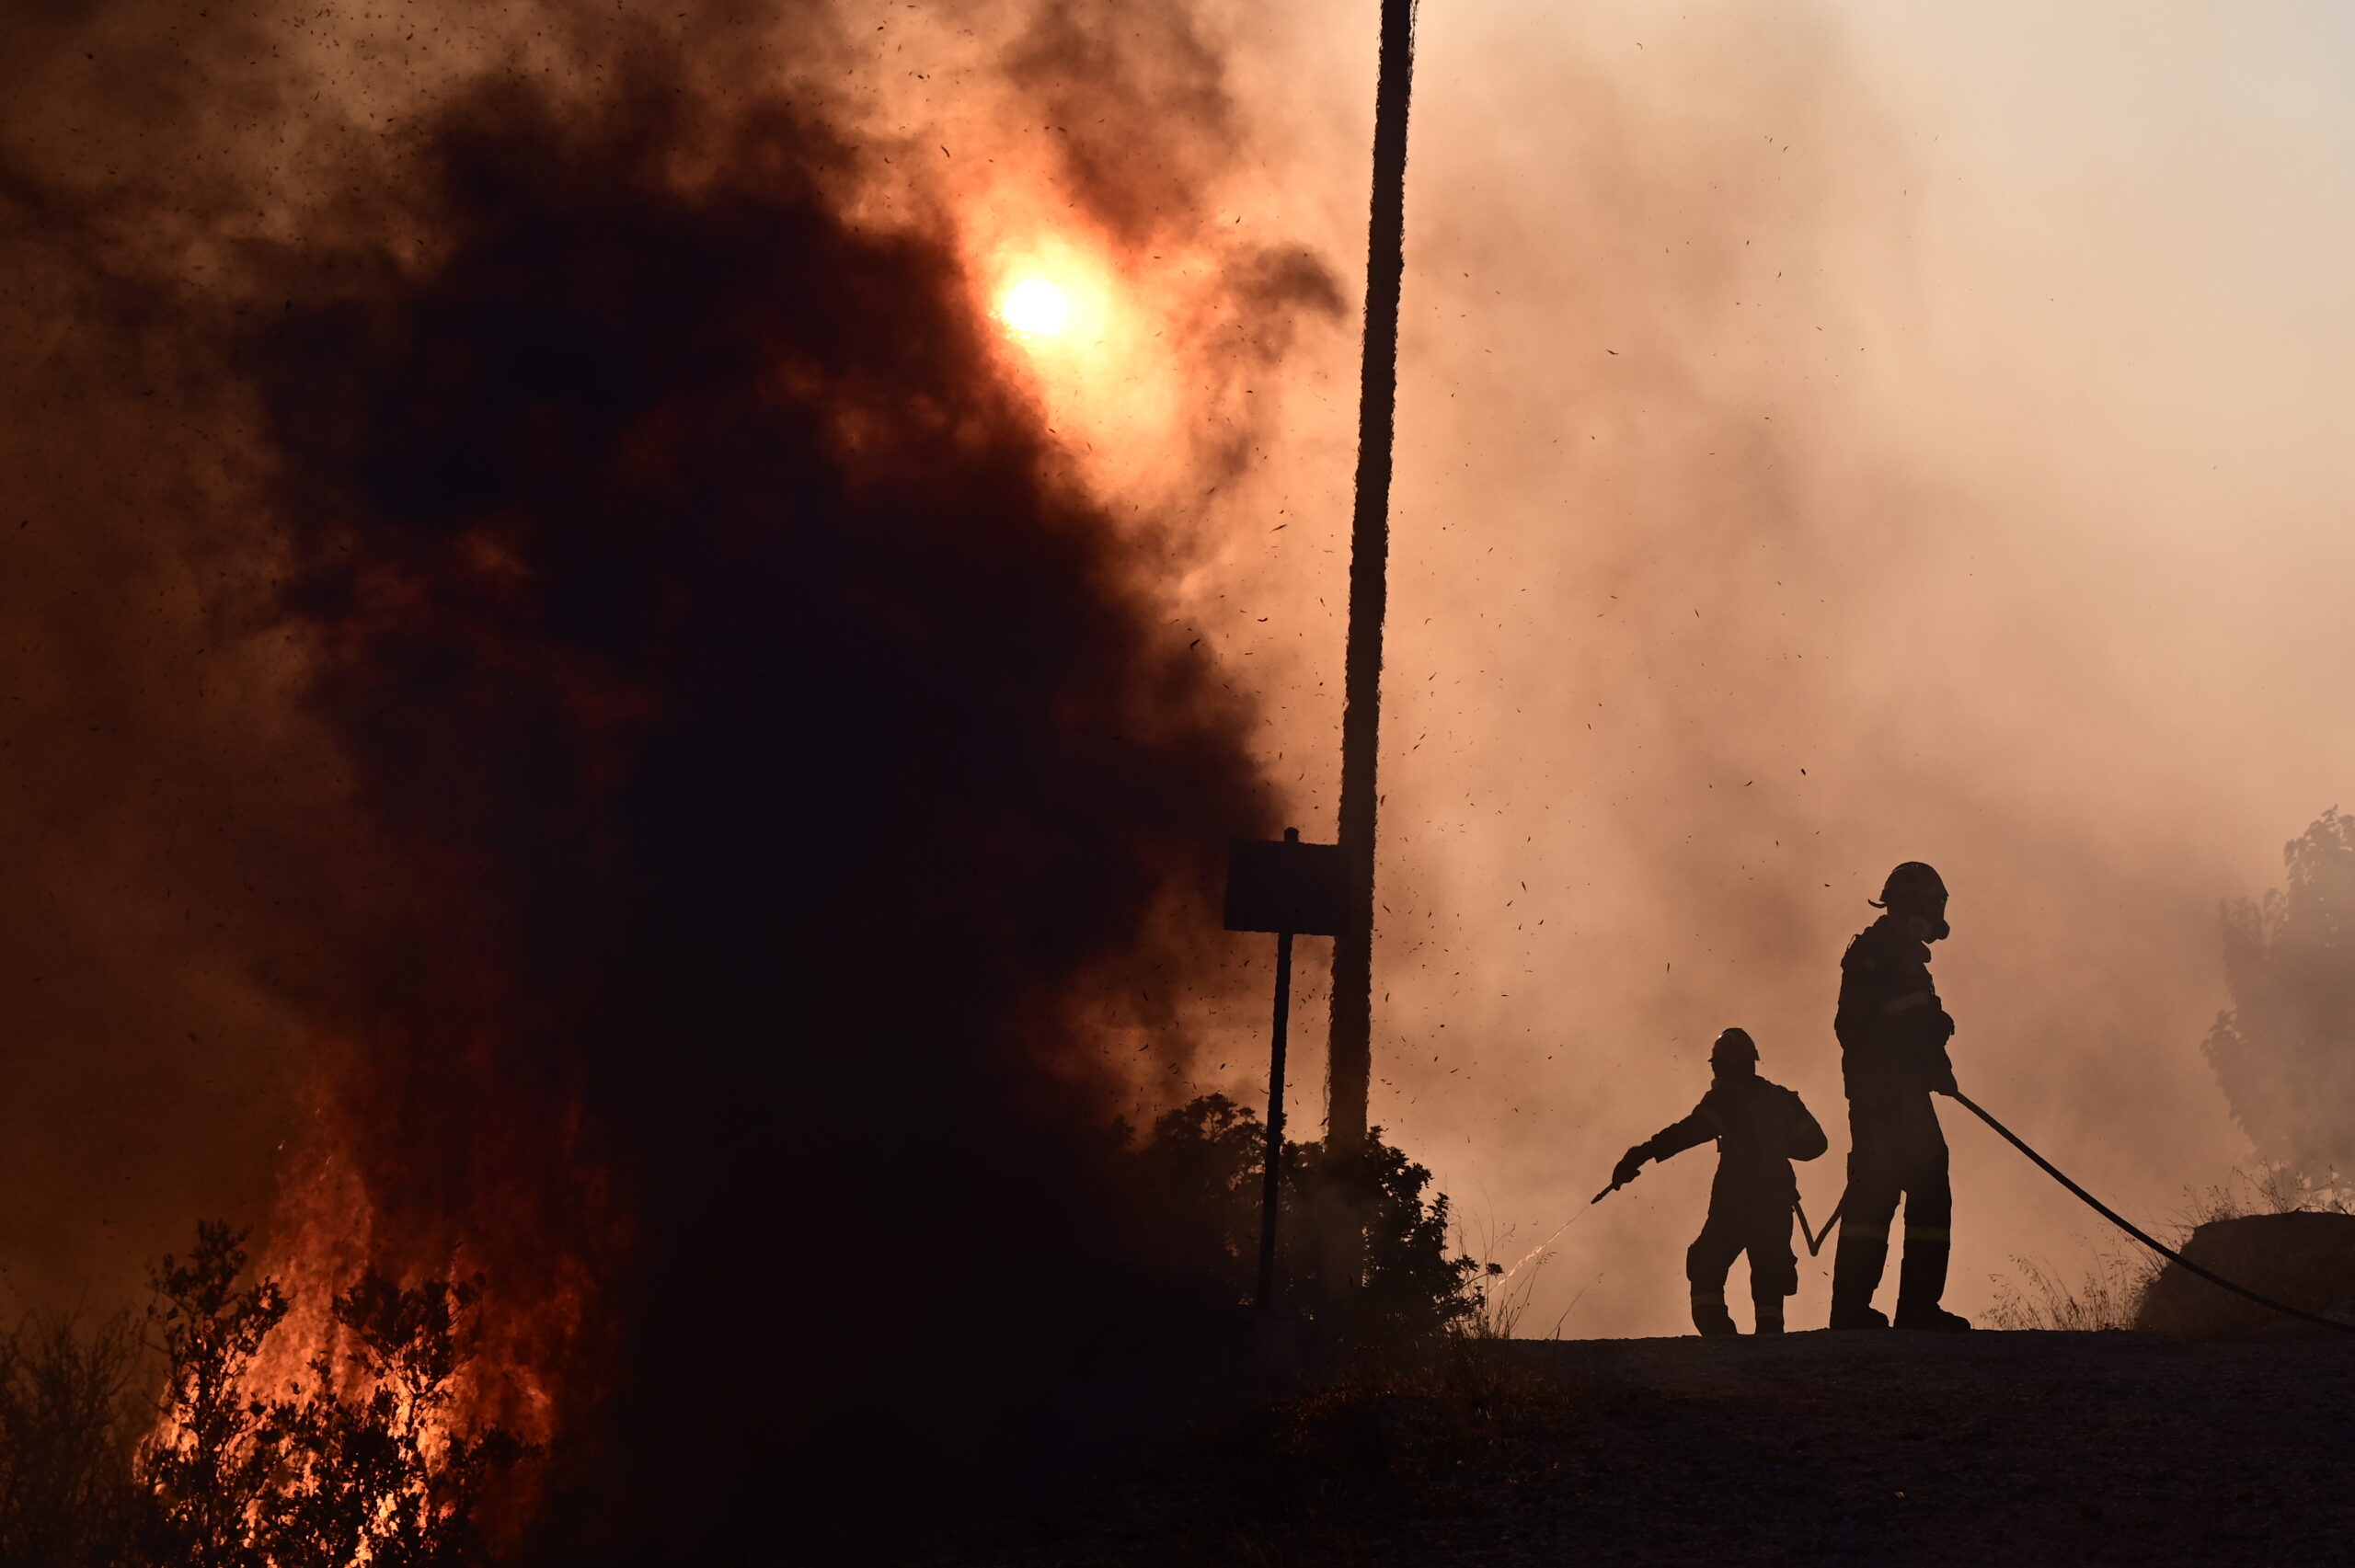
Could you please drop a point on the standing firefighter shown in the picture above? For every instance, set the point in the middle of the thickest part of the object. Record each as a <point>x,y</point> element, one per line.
<point>1760,1127</point>
<point>1893,1037</point>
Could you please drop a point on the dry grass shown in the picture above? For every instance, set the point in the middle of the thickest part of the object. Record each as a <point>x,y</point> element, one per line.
<point>2274,1190</point>
<point>2106,1297</point>
<point>2109,1294</point>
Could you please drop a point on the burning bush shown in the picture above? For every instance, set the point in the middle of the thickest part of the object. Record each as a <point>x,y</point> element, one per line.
<point>362,1463</point>
<point>359,1462</point>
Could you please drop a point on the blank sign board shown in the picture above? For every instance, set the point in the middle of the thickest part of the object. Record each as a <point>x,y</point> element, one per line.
<point>1286,886</point>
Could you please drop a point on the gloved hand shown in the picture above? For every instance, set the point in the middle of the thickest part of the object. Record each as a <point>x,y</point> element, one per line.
<point>1629,1163</point>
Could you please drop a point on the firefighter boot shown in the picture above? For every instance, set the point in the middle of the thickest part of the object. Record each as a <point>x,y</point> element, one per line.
<point>1855,1275</point>
<point>1935,1319</point>
<point>1921,1279</point>
<point>1768,1310</point>
<point>1710,1315</point>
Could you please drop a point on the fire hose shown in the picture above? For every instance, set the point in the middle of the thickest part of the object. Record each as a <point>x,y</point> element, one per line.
<point>1815,1237</point>
<point>2009,1136</point>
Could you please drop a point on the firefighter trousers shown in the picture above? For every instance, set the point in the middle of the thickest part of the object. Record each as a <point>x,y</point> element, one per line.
<point>1756,1220</point>
<point>1895,1151</point>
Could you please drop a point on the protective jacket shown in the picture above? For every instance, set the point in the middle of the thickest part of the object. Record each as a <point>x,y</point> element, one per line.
<point>1892,1030</point>
<point>1760,1127</point>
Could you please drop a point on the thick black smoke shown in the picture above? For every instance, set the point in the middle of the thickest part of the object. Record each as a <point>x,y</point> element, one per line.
<point>778,745</point>
<point>763,770</point>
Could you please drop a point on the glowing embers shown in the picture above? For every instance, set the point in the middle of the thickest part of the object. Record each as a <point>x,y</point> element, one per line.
<point>1035,307</point>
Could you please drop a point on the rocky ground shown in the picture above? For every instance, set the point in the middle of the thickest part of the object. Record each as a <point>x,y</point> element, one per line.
<point>1817,1448</point>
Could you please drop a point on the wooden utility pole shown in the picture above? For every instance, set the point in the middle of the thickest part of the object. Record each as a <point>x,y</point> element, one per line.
<point>1350,1057</point>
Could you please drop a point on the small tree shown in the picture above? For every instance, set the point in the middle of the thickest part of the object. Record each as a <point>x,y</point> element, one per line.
<point>365,1463</point>
<point>1198,1174</point>
<point>1203,1163</point>
<point>68,1422</point>
<point>2284,1052</point>
<point>216,1453</point>
<point>1408,1287</point>
<point>386,1476</point>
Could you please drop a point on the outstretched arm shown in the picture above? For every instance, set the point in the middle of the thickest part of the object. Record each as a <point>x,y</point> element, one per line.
<point>1671,1139</point>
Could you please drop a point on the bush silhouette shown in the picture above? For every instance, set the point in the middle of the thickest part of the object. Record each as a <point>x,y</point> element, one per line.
<point>377,1471</point>
<point>2280,1052</point>
<point>71,1414</point>
<point>1205,1160</point>
<point>214,1460</point>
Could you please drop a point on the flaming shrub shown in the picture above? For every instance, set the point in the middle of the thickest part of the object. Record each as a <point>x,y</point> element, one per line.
<point>365,1461</point>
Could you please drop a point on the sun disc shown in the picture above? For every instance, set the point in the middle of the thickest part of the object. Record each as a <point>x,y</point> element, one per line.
<point>1035,307</point>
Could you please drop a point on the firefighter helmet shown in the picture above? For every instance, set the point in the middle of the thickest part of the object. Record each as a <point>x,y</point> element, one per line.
<point>1734,1045</point>
<point>1913,882</point>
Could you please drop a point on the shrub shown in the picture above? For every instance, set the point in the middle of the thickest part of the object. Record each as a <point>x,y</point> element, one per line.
<point>214,1456</point>
<point>69,1421</point>
<point>2284,1052</point>
<point>1205,1163</point>
<point>169,1455</point>
<point>380,1473</point>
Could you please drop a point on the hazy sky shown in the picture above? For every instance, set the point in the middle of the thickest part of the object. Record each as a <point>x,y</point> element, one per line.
<point>1829,435</point>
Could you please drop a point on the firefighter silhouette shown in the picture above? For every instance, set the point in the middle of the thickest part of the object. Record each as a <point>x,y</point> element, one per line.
<point>1893,1035</point>
<point>1760,1128</point>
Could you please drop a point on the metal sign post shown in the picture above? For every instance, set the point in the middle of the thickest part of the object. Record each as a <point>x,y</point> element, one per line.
<point>1271,1182</point>
<point>1289,889</point>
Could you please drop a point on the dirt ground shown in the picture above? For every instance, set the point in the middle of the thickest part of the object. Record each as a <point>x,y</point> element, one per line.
<point>1817,1448</point>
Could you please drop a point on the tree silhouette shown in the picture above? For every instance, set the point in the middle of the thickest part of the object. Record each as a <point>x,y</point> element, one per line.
<point>367,1462</point>
<point>1203,1162</point>
<point>216,1453</point>
<point>2284,1052</point>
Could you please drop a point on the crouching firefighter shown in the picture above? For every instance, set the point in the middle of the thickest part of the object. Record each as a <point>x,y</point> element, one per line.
<point>1760,1127</point>
<point>1893,1035</point>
